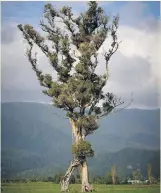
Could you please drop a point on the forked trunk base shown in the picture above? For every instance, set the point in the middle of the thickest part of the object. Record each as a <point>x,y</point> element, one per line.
<point>65,180</point>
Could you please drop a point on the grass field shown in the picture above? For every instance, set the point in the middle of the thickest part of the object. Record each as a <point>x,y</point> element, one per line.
<point>47,187</point>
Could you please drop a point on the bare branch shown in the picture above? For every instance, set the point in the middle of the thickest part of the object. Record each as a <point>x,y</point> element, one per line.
<point>114,108</point>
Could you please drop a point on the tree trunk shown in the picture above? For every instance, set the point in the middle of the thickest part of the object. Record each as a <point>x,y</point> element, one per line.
<point>113,180</point>
<point>84,174</point>
<point>75,163</point>
<point>86,187</point>
<point>113,173</point>
<point>65,180</point>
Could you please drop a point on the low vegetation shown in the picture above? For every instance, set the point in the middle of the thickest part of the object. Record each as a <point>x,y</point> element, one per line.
<point>49,187</point>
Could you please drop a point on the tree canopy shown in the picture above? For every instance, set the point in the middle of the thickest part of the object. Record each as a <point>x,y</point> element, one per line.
<point>78,87</point>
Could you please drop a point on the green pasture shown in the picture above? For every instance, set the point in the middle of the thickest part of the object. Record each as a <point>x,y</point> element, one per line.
<point>48,187</point>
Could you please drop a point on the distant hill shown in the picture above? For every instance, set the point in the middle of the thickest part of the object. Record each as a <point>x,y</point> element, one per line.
<point>127,160</point>
<point>34,134</point>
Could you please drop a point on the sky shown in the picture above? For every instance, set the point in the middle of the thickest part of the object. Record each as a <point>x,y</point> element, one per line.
<point>133,69</point>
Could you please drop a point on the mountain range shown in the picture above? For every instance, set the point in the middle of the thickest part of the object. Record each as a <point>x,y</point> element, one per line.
<point>36,138</point>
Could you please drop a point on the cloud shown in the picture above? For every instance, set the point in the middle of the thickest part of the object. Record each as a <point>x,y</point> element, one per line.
<point>134,68</point>
<point>18,79</point>
<point>8,37</point>
<point>138,15</point>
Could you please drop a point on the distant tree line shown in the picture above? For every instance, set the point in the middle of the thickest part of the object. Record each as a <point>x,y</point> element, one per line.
<point>110,178</point>
<point>98,179</point>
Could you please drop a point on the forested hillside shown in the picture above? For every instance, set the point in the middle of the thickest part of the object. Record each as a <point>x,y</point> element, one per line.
<point>34,134</point>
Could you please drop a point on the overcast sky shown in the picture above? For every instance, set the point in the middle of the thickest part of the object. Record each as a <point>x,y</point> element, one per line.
<point>133,69</point>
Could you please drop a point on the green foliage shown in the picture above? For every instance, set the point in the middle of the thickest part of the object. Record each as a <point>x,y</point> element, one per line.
<point>87,123</point>
<point>98,180</point>
<point>83,148</point>
<point>72,179</point>
<point>57,178</point>
<point>137,174</point>
<point>78,179</point>
<point>74,92</point>
<point>108,179</point>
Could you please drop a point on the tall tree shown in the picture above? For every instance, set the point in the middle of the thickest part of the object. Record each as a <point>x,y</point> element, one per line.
<point>137,174</point>
<point>113,174</point>
<point>78,90</point>
<point>134,174</point>
<point>149,169</point>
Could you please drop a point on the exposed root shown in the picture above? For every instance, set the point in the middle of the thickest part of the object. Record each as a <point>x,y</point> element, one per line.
<point>87,188</point>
